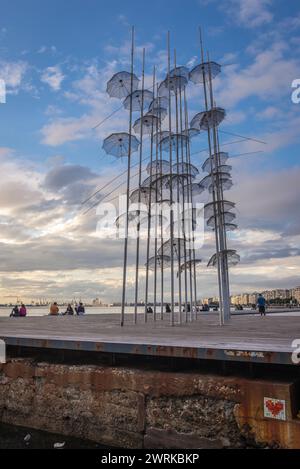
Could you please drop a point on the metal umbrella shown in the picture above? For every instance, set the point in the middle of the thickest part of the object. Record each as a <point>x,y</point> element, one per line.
<point>180,71</point>
<point>191,132</point>
<point>222,157</point>
<point>189,264</point>
<point>159,102</point>
<point>179,247</point>
<point>194,189</point>
<point>166,180</point>
<point>185,168</point>
<point>159,112</point>
<point>142,195</point>
<point>206,70</point>
<point>159,260</point>
<point>134,217</point>
<point>172,84</point>
<point>120,84</point>
<point>177,141</point>
<point>209,208</point>
<point>207,119</point>
<point>232,257</point>
<point>147,122</point>
<point>158,167</point>
<point>139,98</point>
<point>228,217</point>
<point>117,144</point>
<point>208,180</point>
<point>226,184</point>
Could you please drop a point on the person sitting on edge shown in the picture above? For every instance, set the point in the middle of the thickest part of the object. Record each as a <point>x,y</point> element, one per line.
<point>15,312</point>
<point>23,311</point>
<point>261,303</point>
<point>149,310</point>
<point>69,311</point>
<point>80,310</point>
<point>168,309</point>
<point>54,309</point>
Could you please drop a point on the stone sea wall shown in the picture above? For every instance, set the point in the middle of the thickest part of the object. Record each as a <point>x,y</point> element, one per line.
<point>141,408</point>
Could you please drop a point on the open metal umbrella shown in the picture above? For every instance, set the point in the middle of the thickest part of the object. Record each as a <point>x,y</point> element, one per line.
<point>173,84</point>
<point>191,133</point>
<point>222,158</point>
<point>204,71</point>
<point>232,257</point>
<point>166,180</point>
<point>189,264</point>
<point>228,217</point>
<point>176,141</point>
<point>208,180</point>
<point>119,85</point>
<point>179,248</point>
<point>118,144</point>
<point>147,122</point>
<point>207,119</point>
<point>143,195</point>
<point>159,102</point>
<point>159,112</point>
<point>134,217</point>
<point>209,208</point>
<point>194,189</point>
<point>225,184</point>
<point>158,167</point>
<point>139,98</point>
<point>180,71</point>
<point>185,168</point>
<point>159,261</point>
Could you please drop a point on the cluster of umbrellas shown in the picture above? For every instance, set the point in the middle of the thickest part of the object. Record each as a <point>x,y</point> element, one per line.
<point>172,178</point>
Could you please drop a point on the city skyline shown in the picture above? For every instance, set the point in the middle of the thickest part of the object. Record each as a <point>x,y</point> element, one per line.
<point>52,159</point>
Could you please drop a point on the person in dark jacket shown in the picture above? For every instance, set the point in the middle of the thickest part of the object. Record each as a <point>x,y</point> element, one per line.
<point>80,310</point>
<point>69,311</point>
<point>15,312</point>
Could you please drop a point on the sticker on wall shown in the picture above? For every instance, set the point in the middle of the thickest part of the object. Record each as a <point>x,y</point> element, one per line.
<point>274,408</point>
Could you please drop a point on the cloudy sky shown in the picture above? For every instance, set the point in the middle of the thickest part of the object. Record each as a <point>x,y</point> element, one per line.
<point>56,58</point>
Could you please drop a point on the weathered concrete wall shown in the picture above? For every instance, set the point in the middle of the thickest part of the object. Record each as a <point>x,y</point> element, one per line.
<point>137,408</point>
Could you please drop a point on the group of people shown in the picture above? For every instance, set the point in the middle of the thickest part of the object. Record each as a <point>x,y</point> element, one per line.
<point>70,311</point>
<point>18,311</point>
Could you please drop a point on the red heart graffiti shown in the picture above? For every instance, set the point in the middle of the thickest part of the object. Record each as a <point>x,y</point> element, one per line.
<point>274,407</point>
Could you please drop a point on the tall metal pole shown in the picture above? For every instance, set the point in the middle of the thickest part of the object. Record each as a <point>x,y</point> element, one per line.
<point>215,209</point>
<point>128,187</point>
<point>184,192</point>
<point>221,224</point>
<point>137,256</point>
<point>149,213</point>
<point>191,230</point>
<point>178,197</point>
<point>171,188</point>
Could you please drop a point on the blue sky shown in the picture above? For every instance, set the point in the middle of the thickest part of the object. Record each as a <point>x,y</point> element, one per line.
<point>56,58</point>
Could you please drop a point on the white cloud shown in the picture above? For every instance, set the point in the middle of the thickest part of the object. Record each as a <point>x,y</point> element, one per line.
<point>252,13</point>
<point>53,76</point>
<point>13,74</point>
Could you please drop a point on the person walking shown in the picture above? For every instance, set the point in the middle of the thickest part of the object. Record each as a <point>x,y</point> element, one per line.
<point>261,303</point>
